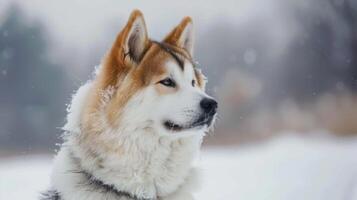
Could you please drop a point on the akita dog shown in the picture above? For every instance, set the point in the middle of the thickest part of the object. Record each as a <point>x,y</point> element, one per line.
<point>133,132</point>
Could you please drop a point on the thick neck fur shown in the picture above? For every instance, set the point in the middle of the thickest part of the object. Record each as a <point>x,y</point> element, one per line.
<point>147,164</point>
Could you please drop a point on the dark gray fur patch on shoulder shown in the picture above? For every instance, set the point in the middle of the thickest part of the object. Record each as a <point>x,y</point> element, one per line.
<point>50,195</point>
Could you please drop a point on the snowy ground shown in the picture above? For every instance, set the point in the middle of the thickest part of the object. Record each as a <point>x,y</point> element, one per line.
<point>286,168</point>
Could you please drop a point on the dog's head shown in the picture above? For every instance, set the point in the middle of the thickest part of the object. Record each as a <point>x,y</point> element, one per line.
<point>143,84</point>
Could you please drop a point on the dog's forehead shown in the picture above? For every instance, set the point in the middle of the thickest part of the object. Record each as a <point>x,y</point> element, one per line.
<point>188,69</point>
<point>184,71</point>
<point>176,59</point>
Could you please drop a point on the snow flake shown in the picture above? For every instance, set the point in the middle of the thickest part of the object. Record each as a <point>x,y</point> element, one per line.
<point>250,56</point>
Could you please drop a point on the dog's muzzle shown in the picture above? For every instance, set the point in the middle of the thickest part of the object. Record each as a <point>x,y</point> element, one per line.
<point>208,111</point>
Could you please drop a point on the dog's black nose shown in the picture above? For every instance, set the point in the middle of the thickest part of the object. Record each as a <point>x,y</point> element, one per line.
<point>209,105</point>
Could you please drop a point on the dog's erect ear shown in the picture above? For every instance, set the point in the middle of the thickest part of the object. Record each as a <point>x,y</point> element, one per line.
<point>127,50</point>
<point>182,35</point>
<point>135,36</point>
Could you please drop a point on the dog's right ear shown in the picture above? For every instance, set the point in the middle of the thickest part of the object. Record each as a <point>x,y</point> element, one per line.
<point>135,37</point>
<point>132,42</point>
<point>127,50</point>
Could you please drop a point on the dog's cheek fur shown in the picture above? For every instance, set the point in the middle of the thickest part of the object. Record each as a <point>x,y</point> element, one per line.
<point>104,107</point>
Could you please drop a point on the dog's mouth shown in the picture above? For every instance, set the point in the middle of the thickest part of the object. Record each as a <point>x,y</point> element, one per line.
<point>203,120</point>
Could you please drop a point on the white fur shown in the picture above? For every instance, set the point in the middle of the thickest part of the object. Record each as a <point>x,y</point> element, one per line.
<point>75,108</point>
<point>153,162</point>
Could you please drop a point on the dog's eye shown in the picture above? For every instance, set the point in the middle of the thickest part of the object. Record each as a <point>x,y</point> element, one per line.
<point>193,83</point>
<point>168,82</point>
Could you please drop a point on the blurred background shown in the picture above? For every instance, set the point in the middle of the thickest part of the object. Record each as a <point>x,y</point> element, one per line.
<point>284,72</point>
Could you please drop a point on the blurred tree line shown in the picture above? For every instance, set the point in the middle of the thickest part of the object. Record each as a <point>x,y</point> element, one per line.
<point>32,86</point>
<point>323,58</point>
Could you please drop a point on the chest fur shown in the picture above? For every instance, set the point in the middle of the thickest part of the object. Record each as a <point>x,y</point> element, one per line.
<point>144,168</point>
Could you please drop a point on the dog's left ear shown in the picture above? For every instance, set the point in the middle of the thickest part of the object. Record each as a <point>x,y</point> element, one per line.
<point>182,35</point>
